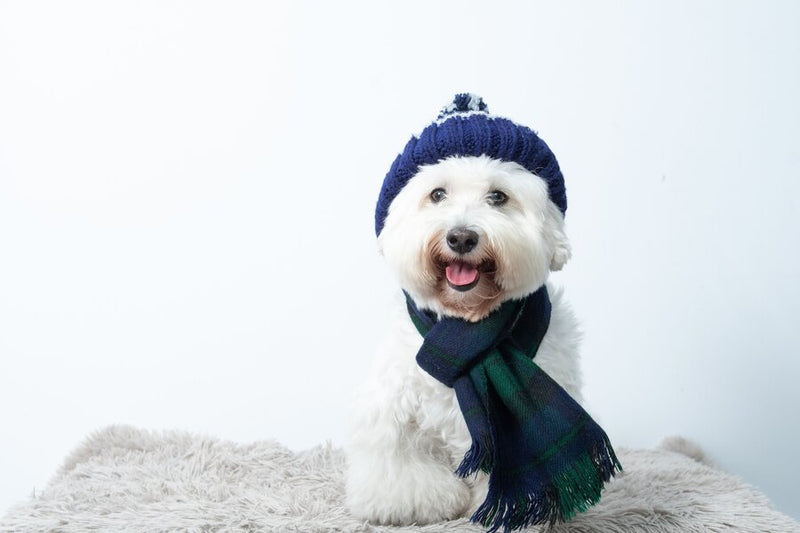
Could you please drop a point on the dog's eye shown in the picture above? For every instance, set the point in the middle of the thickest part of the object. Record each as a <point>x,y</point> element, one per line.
<point>497,198</point>
<point>437,195</point>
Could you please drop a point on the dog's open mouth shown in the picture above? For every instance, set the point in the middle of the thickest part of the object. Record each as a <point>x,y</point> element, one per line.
<point>463,276</point>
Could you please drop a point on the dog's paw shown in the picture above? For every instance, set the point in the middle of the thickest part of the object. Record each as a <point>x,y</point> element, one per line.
<point>479,488</point>
<point>412,496</point>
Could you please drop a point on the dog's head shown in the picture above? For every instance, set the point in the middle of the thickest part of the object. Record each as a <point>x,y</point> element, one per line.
<point>468,233</point>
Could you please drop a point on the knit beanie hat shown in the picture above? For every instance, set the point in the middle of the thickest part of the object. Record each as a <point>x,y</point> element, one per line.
<point>465,128</point>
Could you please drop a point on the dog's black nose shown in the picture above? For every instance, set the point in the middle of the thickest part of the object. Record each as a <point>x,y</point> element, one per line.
<point>462,240</point>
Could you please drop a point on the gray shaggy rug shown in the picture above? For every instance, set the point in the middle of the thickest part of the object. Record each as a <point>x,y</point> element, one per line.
<point>127,479</point>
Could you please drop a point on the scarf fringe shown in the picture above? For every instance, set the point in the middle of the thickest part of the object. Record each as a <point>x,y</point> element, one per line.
<point>478,457</point>
<point>572,491</point>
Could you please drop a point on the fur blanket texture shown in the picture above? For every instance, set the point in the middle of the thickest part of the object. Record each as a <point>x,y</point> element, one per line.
<point>130,480</point>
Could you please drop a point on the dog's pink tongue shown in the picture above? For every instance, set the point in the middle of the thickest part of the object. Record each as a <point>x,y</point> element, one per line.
<point>459,273</point>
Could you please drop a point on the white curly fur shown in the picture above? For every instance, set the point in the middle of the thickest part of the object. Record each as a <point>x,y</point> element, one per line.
<point>408,434</point>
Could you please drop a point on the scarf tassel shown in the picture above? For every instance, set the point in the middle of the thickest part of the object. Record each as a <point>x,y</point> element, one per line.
<point>572,491</point>
<point>478,457</point>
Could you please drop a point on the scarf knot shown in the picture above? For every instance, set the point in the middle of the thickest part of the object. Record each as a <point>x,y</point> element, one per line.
<point>449,354</point>
<point>546,458</point>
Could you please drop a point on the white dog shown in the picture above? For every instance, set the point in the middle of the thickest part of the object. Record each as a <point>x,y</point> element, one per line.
<point>463,234</point>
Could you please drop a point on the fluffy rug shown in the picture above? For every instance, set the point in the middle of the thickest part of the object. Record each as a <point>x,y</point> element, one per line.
<point>126,479</point>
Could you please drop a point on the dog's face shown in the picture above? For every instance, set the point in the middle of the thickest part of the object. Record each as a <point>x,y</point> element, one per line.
<point>468,233</point>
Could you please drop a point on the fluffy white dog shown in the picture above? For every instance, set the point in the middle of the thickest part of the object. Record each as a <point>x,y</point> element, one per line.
<point>463,235</point>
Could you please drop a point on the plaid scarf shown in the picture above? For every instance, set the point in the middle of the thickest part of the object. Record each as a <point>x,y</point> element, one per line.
<point>547,459</point>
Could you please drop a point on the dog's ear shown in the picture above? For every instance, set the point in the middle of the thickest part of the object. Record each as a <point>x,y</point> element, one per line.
<point>380,244</point>
<point>562,250</point>
<point>561,254</point>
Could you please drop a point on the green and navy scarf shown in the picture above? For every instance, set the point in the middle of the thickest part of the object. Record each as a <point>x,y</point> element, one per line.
<point>546,458</point>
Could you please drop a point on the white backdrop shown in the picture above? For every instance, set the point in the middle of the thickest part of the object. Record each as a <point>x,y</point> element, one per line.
<point>187,189</point>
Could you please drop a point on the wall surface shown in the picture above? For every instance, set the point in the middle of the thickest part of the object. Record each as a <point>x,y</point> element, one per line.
<point>186,196</point>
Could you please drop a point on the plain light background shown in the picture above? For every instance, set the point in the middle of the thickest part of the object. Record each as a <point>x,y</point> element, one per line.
<point>187,191</point>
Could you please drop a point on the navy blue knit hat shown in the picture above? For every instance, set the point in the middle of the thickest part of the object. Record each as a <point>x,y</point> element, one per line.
<point>465,128</point>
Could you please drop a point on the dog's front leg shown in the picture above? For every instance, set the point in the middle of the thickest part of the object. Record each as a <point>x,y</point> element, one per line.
<point>398,473</point>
